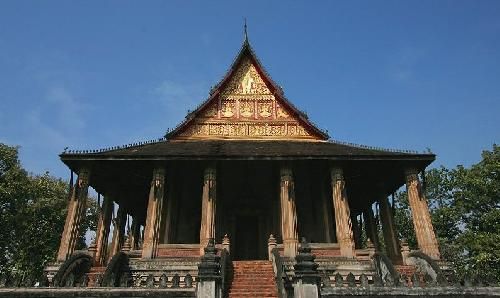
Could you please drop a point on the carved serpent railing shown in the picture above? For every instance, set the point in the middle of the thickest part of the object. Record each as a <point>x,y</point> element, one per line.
<point>279,272</point>
<point>73,270</point>
<point>225,270</point>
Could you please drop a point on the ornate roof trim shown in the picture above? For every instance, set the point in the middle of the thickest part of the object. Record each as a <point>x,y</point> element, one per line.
<point>132,147</point>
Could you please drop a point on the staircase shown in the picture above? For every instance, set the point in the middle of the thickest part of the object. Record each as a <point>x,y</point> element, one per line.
<point>253,279</point>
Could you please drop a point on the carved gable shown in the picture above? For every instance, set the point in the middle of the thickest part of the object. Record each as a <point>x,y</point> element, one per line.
<point>246,108</point>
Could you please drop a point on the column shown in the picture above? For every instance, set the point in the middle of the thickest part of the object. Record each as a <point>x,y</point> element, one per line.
<point>342,214</point>
<point>118,231</point>
<point>421,217</point>
<point>356,230</point>
<point>153,217</point>
<point>76,211</point>
<point>135,236</point>
<point>371,227</point>
<point>326,214</point>
<point>208,207</point>
<point>103,231</point>
<point>389,229</point>
<point>288,213</point>
<point>169,215</point>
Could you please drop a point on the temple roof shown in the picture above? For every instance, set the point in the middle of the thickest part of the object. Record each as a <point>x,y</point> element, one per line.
<point>246,116</point>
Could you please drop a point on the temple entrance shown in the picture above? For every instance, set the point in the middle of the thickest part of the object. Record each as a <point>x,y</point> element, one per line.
<point>246,238</point>
<point>247,207</point>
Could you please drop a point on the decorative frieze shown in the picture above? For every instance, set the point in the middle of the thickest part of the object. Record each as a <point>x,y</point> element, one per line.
<point>275,129</point>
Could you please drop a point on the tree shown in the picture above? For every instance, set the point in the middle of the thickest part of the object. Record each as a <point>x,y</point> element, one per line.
<point>477,200</point>
<point>13,181</point>
<point>32,216</point>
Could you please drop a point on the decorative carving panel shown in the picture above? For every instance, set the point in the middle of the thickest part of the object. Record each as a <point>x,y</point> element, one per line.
<point>246,80</point>
<point>246,108</point>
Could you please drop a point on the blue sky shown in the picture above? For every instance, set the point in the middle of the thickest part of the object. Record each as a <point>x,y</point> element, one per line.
<point>395,74</point>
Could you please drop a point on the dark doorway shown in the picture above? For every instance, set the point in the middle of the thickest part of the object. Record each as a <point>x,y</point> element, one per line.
<point>247,238</point>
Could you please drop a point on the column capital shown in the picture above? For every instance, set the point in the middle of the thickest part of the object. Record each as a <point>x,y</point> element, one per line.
<point>411,175</point>
<point>83,177</point>
<point>286,174</point>
<point>336,174</point>
<point>158,176</point>
<point>158,181</point>
<point>158,171</point>
<point>210,173</point>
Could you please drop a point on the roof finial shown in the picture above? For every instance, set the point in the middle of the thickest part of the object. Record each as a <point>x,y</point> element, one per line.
<point>245,30</point>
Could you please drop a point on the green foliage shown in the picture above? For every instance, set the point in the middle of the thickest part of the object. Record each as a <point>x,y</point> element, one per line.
<point>32,216</point>
<point>465,210</point>
<point>38,224</point>
<point>13,180</point>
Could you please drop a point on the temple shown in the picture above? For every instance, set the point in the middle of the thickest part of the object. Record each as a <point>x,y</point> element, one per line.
<point>248,174</point>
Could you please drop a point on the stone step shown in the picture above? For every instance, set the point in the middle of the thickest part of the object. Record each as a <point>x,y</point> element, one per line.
<point>253,279</point>
<point>252,294</point>
<point>260,273</point>
<point>253,289</point>
<point>249,288</point>
<point>254,283</point>
<point>254,269</point>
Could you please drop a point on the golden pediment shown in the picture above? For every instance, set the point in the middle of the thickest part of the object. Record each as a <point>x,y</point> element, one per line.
<point>246,108</point>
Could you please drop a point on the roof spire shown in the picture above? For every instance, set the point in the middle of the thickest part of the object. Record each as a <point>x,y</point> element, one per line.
<point>245,30</point>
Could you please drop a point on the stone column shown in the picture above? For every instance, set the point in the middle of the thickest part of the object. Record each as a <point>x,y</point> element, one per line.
<point>389,229</point>
<point>371,227</point>
<point>288,214</point>
<point>167,225</point>
<point>208,207</point>
<point>154,212</point>
<point>326,215</point>
<point>342,214</point>
<point>103,231</point>
<point>356,230</point>
<point>421,217</point>
<point>76,211</point>
<point>135,236</point>
<point>118,231</point>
